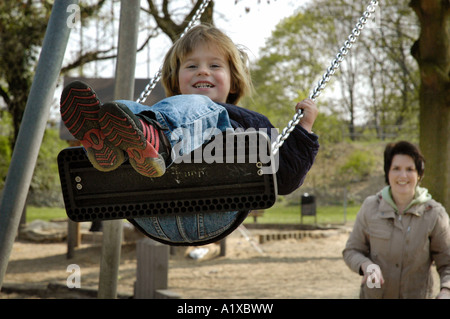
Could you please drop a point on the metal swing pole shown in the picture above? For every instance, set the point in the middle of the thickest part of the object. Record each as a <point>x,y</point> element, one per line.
<point>123,89</point>
<point>33,125</point>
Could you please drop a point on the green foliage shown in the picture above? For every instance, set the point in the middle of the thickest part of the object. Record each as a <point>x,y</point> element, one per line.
<point>5,158</point>
<point>46,175</point>
<point>358,166</point>
<point>329,128</point>
<point>286,70</point>
<point>5,146</point>
<point>375,88</point>
<point>22,30</point>
<point>45,188</point>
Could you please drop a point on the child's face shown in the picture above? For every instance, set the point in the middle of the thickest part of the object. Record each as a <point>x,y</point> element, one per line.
<point>206,72</point>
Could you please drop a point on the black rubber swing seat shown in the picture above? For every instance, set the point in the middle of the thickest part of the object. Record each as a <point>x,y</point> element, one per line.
<point>240,176</point>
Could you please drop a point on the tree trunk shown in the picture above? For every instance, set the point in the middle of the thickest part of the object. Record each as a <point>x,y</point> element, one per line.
<point>432,52</point>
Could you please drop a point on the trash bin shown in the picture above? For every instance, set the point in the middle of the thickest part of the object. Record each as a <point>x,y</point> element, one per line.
<point>308,206</point>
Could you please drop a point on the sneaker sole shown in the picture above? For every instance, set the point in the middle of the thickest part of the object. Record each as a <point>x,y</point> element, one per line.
<point>122,131</point>
<point>79,112</point>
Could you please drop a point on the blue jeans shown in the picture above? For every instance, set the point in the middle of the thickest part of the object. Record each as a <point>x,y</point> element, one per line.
<point>190,119</point>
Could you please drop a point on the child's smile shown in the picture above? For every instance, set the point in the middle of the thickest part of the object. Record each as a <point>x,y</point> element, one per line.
<point>205,71</point>
<point>203,85</point>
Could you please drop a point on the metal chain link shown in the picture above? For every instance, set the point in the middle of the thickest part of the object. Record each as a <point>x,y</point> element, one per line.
<point>335,64</point>
<point>328,74</point>
<point>151,85</point>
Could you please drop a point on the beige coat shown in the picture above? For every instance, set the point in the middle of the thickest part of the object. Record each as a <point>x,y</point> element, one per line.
<point>404,246</point>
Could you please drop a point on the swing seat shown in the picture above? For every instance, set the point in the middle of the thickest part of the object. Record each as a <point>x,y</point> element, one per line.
<point>239,179</point>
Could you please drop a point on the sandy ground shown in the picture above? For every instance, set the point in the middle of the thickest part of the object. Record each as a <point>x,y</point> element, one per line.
<point>307,268</point>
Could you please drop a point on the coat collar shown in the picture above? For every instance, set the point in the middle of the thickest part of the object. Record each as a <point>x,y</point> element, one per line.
<point>386,209</point>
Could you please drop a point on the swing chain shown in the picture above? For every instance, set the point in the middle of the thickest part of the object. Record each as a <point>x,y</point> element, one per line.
<point>151,85</point>
<point>328,74</point>
<point>335,64</point>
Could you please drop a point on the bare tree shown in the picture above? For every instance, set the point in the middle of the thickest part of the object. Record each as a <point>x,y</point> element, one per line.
<point>166,22</point>
<point>393,74</point>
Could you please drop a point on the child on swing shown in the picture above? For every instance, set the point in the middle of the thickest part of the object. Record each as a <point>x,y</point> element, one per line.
<point>204,75</point>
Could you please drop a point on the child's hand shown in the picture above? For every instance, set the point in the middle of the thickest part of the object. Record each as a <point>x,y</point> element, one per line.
<point>310,112</point>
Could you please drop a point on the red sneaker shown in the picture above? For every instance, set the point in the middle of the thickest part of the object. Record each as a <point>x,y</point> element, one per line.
<point>146,144</point>
<point>79,112</point>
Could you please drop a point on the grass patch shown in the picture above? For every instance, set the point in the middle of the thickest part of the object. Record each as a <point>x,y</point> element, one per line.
<point>45,213</point>
<point>290,214</point>
<point>278,214</point>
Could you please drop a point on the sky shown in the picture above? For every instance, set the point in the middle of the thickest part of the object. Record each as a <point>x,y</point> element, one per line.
<point>249,29</point>
<point>253,28</point>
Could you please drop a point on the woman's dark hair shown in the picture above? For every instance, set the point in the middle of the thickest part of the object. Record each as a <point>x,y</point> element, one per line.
<point>404,148</point>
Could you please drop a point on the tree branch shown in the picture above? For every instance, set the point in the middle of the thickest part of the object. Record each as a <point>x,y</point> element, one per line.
<point>97,55</point>
<point>88,57</point>
<point>168,26</point>
<point>5,96</point>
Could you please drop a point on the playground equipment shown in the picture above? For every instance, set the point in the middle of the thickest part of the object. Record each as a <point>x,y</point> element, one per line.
<point>35,117</point>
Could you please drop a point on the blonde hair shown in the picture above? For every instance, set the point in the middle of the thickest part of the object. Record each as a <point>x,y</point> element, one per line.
<point>241,83</point>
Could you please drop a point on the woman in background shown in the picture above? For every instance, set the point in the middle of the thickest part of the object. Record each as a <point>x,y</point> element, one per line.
<point>400,232</point>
